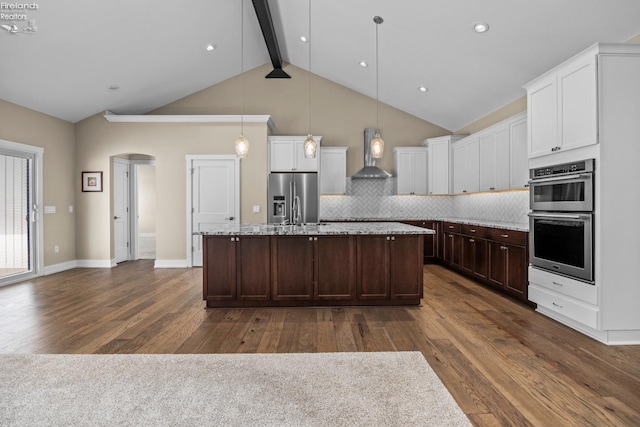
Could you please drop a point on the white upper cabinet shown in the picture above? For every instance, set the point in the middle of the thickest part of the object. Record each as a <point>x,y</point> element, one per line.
<point>439,158</point>
<point>466,165</point>
<point>411,170</point>
<point>562,106</point>
<point>286,154</point>
<point>503,155</point>
<point>333,170</point>
<point>518,161</point>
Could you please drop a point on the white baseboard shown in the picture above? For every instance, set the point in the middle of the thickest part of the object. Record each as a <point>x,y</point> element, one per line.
<point>57,268</point>
<point>95,263</point>
<point>170,263</point>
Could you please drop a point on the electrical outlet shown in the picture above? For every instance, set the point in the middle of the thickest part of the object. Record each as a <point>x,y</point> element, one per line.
<point>256,209</point>
<point>56,249</point>
<point>70,208</point>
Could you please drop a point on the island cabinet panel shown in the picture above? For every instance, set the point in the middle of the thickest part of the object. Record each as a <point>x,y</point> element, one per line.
<point>219,268</point>
<point>335,267</point>
<point>236,268</point>
<point>291,268</point>
<point>373,267</point>
<point>406,266</point>
<point>253,268</point>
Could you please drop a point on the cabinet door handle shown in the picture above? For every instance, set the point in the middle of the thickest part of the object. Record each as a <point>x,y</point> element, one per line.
<point>315,239</point>
<point>505,235</point>
<point>393,237</point>
<point>557,284</point>
<point>473,231</point>
<point>233,239</point>
<point>471,240</point>
<point>451,226</point>
<point>388,238</point>
<point>311,239</point>
<point>451,236</point>
<point>492,188</point>
<point>557,305</point>
<point>503,248</point>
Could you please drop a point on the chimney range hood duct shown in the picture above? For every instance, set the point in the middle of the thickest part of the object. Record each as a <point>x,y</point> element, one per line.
<point>370,170</point>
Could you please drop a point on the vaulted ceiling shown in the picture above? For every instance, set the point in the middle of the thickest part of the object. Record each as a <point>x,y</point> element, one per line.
<point>154,52</point>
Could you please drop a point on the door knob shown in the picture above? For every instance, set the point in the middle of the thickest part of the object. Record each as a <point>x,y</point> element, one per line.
<point>116,217</point>
<point>230,218</point>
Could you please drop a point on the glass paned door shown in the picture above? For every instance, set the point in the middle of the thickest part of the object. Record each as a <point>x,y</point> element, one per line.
<point>16,255</point>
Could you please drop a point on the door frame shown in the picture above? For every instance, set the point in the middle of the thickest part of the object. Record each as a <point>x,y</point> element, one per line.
<point>126,162</point>
<point>133,204</point>
<point>37,199</point>
<point>189,208</point>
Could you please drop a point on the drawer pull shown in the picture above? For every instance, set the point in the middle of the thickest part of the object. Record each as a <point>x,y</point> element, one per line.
<point>472,231</point>
<point>451,226</point>
<point>451,236</point>
<point>505,235</point>
<point>557,284</point>
<point>471,241</point>
<point>556,305</point>
<point>503,248</point>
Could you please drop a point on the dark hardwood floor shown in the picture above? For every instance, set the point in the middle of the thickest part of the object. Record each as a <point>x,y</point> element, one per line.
<point>503,363</point>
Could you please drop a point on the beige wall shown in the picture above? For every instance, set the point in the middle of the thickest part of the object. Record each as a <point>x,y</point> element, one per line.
<point>337,113</point>
<point>511,109</point>
<point>56,137</point>
<point>99,140</point>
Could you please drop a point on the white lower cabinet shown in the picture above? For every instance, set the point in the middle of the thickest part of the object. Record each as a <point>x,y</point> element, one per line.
<point>333,170</point>
<point>571,298</point>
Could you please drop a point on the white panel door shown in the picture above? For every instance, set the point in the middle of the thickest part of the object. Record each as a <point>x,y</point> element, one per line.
<point>439,167</point>
<point>213,198</point>
<point>501,140</point>
<point>121,210</point>
<point>420,172</point>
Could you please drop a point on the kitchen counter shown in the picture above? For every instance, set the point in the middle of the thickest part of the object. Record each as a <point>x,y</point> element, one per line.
<point>479,222</point>
<point>322,229</point>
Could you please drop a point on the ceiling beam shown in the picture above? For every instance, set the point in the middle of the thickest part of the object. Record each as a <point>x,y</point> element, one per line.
<point>268,32</point>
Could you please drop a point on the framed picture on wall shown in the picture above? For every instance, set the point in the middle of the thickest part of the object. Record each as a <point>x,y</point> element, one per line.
<point>91,181</point>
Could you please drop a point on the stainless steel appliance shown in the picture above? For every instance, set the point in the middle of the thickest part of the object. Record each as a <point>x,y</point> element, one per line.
<point>561,219</point>
<point>293,198</point>
<point>563,188</point>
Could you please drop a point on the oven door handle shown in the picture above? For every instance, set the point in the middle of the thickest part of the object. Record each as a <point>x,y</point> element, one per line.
<point>554,215</point>
<point>560,178</point>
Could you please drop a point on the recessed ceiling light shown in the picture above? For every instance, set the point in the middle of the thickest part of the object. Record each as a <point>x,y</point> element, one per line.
<point>363,64</point>
<point>113,88</point>
<point>480,27</point>
<point>423,89</point>
<point>304,39</point>
<point>211,47</point>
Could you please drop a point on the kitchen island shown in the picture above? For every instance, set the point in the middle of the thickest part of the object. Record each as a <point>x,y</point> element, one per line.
<point>256,265</point>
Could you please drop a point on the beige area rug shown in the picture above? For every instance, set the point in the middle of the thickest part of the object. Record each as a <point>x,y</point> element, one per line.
<point>319,389</point>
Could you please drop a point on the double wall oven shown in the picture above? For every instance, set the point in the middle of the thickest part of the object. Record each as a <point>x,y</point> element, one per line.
<point>561,219</point>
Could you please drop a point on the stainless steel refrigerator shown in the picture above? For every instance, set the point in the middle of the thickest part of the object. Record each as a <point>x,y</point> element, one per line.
<point>293,198</point>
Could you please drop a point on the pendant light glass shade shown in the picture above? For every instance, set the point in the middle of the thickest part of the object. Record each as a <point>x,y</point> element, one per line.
<point>377,147</point>
<point>242,143</point>
<point>242,147</point>
<point>377,144</point>
<point>310,147</point>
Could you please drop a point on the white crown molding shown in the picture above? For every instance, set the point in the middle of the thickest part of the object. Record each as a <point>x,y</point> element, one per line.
<point>151,118</point>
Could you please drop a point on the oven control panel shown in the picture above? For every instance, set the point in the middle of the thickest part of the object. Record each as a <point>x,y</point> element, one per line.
<point>566,168</point>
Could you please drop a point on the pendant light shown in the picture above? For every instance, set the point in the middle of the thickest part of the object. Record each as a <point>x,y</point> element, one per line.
<point>242,143</point>
<point>377,144</point>
<point>310,144</point>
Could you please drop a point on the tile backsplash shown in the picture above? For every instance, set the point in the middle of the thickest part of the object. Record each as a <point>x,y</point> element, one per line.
<point>374,199</point>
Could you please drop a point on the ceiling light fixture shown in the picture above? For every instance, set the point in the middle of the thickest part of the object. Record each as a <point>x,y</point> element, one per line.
<point>480,27</point>
<point>423,89</point>
<point>242,143</point>
<point>377,143</point>
<point>363,64</point>
<point>211,47</point>
<point>310,144</point>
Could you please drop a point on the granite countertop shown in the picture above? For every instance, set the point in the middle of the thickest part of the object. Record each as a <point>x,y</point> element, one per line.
<point>323,229</point>
<point>479,222</point>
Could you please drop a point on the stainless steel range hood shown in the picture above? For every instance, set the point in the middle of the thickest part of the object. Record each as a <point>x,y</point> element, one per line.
<point>370,170</point>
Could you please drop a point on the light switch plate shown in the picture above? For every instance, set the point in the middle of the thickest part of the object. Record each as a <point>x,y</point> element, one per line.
<point>49,209</point>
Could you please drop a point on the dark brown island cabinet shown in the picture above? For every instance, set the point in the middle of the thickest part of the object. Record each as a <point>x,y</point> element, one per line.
<point>312,270</point>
